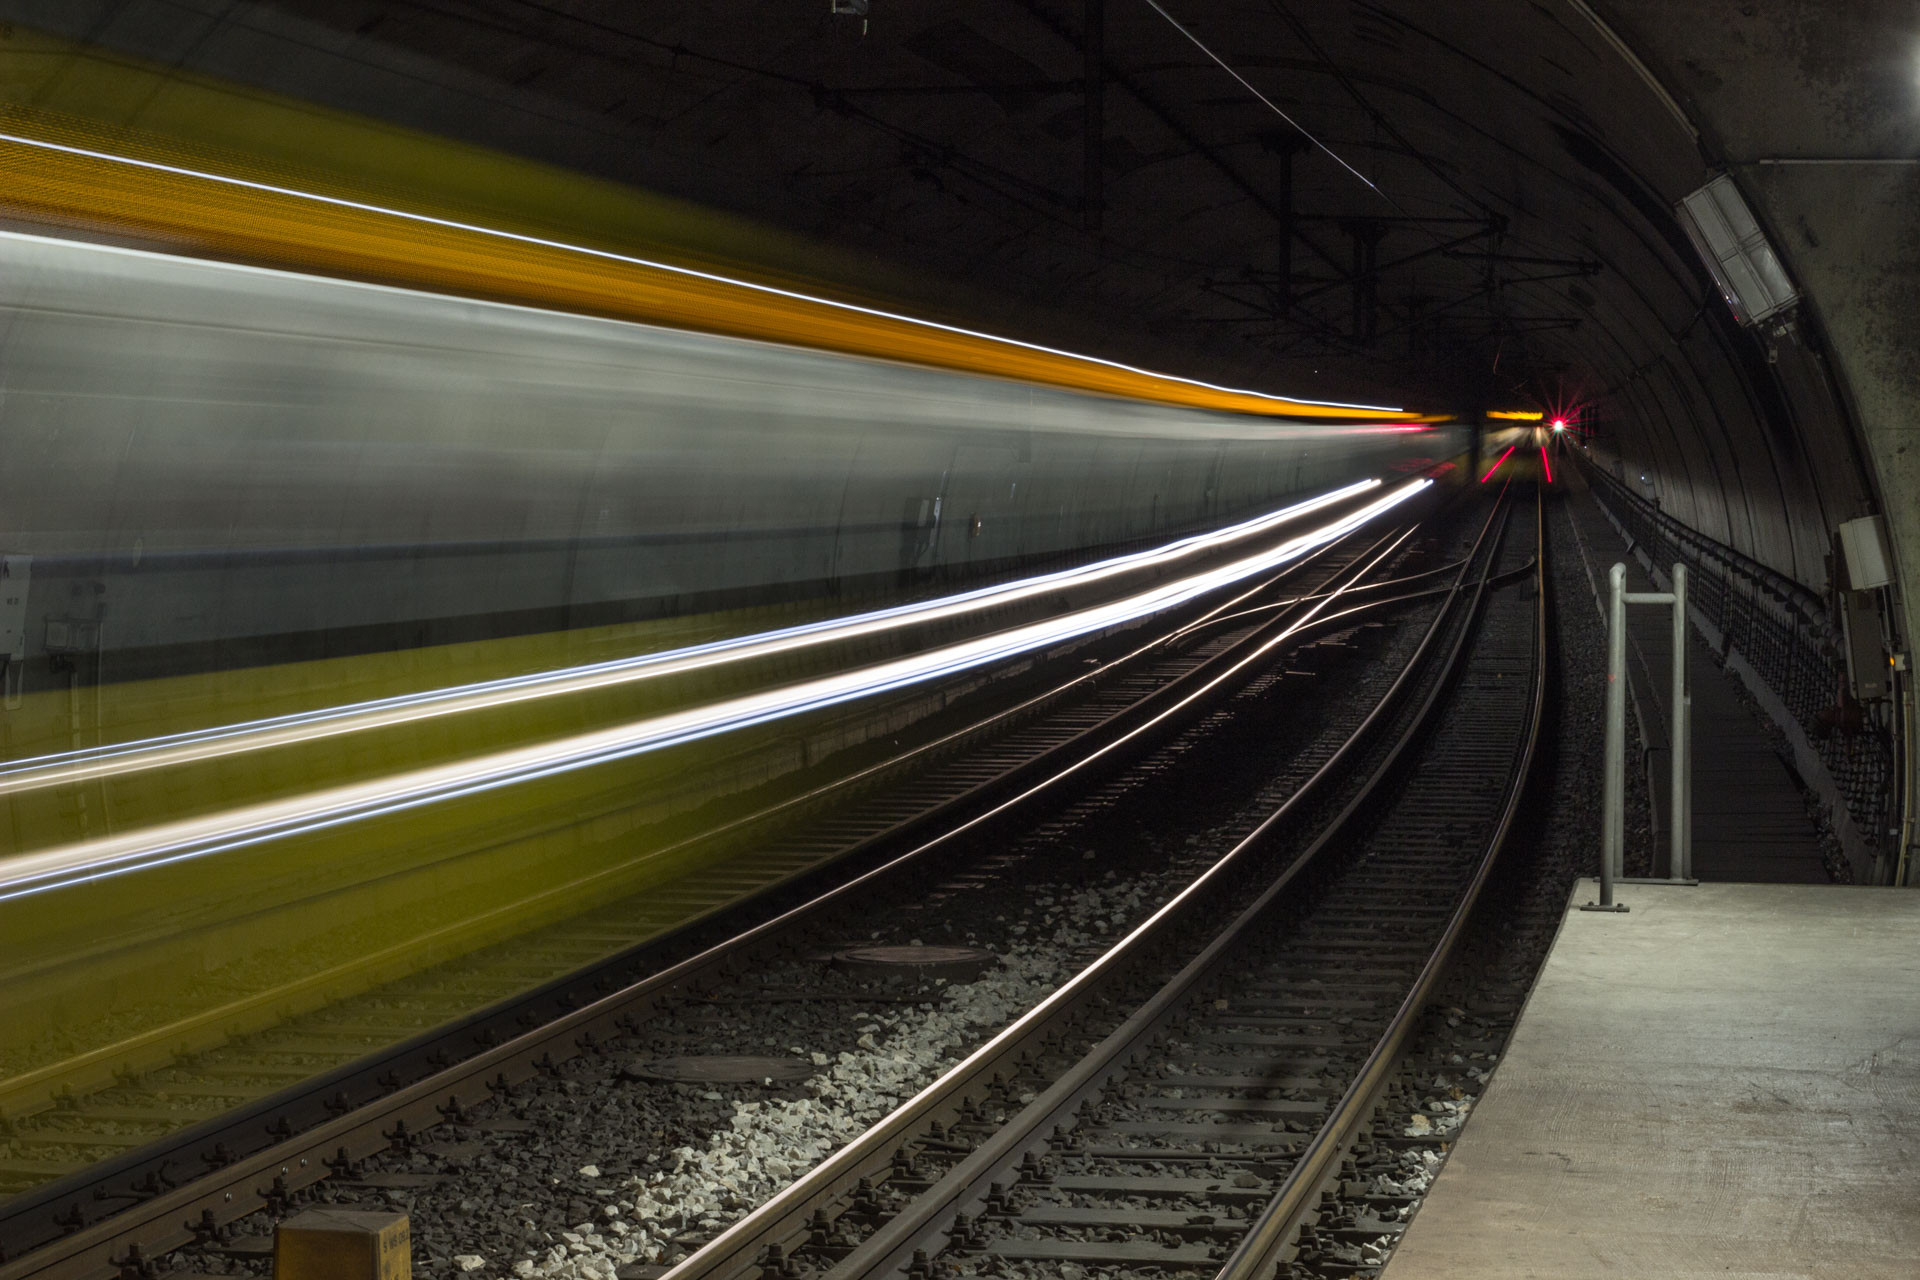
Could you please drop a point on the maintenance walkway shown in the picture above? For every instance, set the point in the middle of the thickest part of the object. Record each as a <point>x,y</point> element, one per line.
<point>1750,819</point>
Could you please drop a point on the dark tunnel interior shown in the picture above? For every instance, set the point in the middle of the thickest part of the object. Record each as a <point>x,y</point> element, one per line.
<point>1462,203</point>
<point>479,476</point>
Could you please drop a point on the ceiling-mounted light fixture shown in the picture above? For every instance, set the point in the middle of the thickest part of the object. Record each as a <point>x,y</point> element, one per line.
<point>1729,240</point>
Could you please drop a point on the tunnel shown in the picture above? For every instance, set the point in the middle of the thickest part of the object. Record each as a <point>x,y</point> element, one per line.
<point>574,398</point>
<point>1466,209</point>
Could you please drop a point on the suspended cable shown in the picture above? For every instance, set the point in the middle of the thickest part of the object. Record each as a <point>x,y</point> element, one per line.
<point>1379,118</point>
<point>1268,102</point>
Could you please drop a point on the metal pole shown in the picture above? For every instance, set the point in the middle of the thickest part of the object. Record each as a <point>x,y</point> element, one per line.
<point>1679,844</point>
<point>1614,794</point>
<point>1686,811</point>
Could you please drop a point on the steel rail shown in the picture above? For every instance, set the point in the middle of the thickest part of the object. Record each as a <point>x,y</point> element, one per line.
<point>787,1217</point>
<point>888,1250</point>
<point>1259,1250</point>
<point>296,1155</point>
<point>891,1247</point>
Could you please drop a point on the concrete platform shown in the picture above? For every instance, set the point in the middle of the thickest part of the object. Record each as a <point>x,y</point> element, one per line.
<point>1723,1082</point>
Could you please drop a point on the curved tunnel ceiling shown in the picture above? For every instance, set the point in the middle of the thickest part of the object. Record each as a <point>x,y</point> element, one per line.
<point>1479,210</point>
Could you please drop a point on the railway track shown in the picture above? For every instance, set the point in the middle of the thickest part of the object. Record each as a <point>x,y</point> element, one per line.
<point>111,1176</point>
<point>1181,1102</point>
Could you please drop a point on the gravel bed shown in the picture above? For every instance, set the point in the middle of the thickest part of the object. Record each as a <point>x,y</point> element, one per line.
<point>603,1172</point>
<point>602,1166</point>
<point>765,1143</point>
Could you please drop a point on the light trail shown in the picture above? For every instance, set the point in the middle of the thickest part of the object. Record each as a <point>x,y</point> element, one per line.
<point>1496,465</point>
<point>320,200</point>
<point>1546,465</point>
<point>194,746</point>
<point>93,860</point>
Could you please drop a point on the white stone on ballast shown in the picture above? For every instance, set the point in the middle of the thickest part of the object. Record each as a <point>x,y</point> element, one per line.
<point>769,1143</point>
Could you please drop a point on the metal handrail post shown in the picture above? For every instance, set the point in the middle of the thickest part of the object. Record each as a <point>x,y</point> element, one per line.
<point>1680,842</point>
<point>1614,792</point>
<point>1680,740</point>
<point>1684,815</point>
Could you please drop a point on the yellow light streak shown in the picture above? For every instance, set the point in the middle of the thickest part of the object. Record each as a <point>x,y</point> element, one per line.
<point>68,178</point>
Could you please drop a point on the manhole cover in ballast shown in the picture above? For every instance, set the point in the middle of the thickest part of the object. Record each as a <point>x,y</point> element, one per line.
<point>955,964</point>
<point>722,1068</point>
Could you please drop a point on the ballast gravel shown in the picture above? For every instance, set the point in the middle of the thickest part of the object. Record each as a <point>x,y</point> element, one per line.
<point>604,1169</point>
<point>604,1166</point>
<point>765,1145</point>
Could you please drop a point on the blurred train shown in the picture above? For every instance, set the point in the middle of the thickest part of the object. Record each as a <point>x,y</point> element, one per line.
<point>253,522</point>
<point>211,466</point>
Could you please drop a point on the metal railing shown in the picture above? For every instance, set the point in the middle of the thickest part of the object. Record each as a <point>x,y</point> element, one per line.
<point>1679,739</point>
<point>1787,635</point>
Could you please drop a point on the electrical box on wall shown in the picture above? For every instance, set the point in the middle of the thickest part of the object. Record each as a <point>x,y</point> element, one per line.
<point>1861,565</point>
<point>1863,547</point>
<point>1868,670</point>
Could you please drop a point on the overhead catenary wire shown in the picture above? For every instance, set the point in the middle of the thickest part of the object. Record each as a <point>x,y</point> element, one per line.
<point>1269,103</point>
<point>1339,73</point>
<point>997,180</point>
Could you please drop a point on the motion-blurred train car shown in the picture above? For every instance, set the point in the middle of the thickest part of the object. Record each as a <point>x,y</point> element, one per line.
<point>211,465</point>
<point>322,603</point>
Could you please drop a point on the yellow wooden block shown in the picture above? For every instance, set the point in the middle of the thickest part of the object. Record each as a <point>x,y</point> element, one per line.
<point>343,1244</point>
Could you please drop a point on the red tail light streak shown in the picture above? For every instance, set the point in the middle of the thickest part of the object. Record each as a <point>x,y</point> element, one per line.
<point>1496,466</point>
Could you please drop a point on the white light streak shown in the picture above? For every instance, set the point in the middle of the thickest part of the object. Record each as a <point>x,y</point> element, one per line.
<point>195,746</point>
<point>692,273</point>
<point>253,825</point>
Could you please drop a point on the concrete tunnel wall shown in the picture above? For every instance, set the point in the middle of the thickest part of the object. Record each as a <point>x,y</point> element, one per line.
<point>1815,108</point>
<point>1815,111</point>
